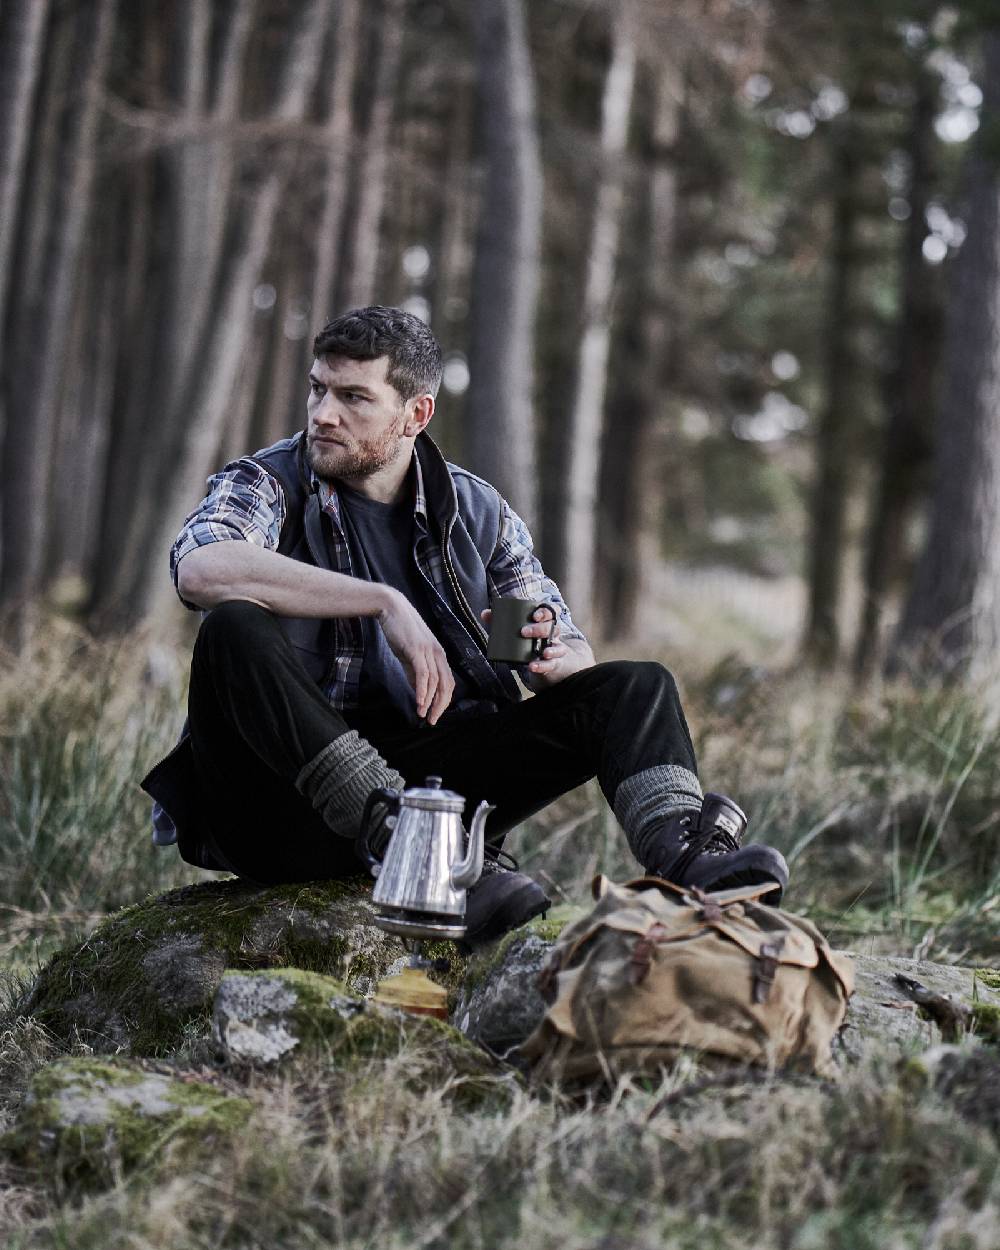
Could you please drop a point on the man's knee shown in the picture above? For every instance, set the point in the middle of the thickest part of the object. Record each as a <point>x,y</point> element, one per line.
<point>235,625</point>
<point>643,678</point>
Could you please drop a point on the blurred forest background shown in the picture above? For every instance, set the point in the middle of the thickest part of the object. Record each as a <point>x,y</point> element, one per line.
<point>718,283</point>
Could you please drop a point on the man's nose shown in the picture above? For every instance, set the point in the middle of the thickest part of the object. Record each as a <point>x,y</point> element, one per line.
<point>327,412</point>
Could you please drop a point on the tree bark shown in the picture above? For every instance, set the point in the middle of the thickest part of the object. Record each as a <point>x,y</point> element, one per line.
<point>28,440</point>
<point>339,123</point>
<point>500,421</point>
<point>206,402</point>
<point>373,174</point>
<point>583,436</point>
<point>628,539</point>
<point>835,434</point>
<point>79,466</point>
<point>951,623</point>
<point>910,392</point>
<point>22,30</point>
<point>181,281</point>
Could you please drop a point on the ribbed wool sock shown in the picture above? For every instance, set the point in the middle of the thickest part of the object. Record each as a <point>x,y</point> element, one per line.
<point>338,781</point>
<point>643,801</point>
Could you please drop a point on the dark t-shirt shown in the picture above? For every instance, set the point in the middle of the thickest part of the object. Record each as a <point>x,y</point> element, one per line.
<point>380,538</point>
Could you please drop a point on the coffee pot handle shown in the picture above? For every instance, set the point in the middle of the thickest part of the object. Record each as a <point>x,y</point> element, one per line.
<point>390,798</point>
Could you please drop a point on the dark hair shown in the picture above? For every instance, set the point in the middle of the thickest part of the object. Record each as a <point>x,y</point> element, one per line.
<point>373,332</point>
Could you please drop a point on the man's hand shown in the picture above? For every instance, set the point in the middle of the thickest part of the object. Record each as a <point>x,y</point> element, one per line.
<point>560,657</point>
<point>421,655</point>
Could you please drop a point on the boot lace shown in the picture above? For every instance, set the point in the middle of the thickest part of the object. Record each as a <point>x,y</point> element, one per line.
<point>496,860</point>
<point>714,841</point>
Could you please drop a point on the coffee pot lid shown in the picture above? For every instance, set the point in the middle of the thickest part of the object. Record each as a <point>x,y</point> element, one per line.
<point>431,797</point>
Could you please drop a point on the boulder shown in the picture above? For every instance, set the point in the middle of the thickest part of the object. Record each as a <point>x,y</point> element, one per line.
<point>86,1119</point>
<point>288,1016</point>
<point>497,1002</point>
<point>147,976</point>
<point>881,1015</point>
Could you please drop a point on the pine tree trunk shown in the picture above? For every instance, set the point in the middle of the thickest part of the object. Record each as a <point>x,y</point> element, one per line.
<point>130,437</point>
<point>28,440</point>
<point>836,426</point>
<point>952,618</point>
<point>206,402</point>
<point>22,30</point>
<point>149,420</point>
<point>628,540</point>
<point>500,423</point>
<point>373,173</point>
<point>79,466</point>
<point>203,169</point>
<point>583,436</point>
<point>339,124</point>
<point>910,392</point>
<point>451,277</point>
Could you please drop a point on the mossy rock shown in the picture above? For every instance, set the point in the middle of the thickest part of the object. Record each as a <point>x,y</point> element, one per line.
<point>146,977</point>
<point>88,1119</point>
<point>292,1017</point>
<point>881,1015</point>
<point>498,1001</point>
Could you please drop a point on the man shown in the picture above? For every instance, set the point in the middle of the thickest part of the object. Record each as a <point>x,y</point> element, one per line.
<point>347,574</point>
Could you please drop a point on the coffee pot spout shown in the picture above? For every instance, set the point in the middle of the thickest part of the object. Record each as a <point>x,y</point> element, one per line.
<point>467,871</point>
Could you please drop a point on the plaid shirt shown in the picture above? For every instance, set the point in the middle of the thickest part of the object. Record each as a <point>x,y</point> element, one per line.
<point>245,502</point>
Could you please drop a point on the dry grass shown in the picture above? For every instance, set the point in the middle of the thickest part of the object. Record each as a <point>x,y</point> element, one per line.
<point>356,1159</point>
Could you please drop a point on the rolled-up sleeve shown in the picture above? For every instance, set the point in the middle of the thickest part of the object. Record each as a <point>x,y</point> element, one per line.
<point>514,569</point>
<point>243,502</point>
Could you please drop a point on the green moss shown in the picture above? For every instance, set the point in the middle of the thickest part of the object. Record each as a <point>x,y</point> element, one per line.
<point>914,1075</point>
<point>986,1021</point>
<point>549,927</point>
<point>349,1034</point>
<point>489,960</point>
<point>103,989</point>
<point>85,1119</point>
<point>990,977</point>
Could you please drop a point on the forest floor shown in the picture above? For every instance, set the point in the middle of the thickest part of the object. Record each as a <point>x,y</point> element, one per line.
<point>886,802</point>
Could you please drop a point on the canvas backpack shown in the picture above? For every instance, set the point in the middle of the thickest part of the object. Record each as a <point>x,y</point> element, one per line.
<point>655,969</point>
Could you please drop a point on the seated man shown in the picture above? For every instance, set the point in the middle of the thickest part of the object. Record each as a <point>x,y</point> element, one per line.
<point>347,573</point>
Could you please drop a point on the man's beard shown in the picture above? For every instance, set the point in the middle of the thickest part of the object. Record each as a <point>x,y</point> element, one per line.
<point>364,457</point>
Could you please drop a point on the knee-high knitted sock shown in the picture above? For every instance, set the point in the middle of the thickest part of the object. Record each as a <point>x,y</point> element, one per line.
<point>643,801</point>
<point>340,778</point>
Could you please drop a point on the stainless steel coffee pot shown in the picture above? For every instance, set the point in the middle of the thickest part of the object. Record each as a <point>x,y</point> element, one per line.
<point>421,882</point>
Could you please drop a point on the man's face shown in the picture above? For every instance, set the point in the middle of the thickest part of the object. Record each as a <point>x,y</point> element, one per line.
<point>357,420</point>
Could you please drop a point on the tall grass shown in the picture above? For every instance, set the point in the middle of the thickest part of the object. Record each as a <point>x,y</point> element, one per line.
<point>80,723</point>
<point>886,802</point>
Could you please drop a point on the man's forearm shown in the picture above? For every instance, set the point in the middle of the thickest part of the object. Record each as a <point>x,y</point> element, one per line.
<point>222,571</point>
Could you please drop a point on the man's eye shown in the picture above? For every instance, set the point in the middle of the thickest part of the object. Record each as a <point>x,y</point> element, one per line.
<point>316,389</point>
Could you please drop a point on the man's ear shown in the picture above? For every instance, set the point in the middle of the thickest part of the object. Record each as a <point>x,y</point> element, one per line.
<point>419,415</point>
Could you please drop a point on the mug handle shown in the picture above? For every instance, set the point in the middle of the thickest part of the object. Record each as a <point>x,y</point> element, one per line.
<point>390,798</point>
<point>538,645</point>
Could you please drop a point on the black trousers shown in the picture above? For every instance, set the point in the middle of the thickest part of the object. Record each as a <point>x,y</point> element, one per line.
<point>257,717</point>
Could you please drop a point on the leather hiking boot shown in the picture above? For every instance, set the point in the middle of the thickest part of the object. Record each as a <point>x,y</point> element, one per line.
<point>703,848</point>
<point>502,899</point>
